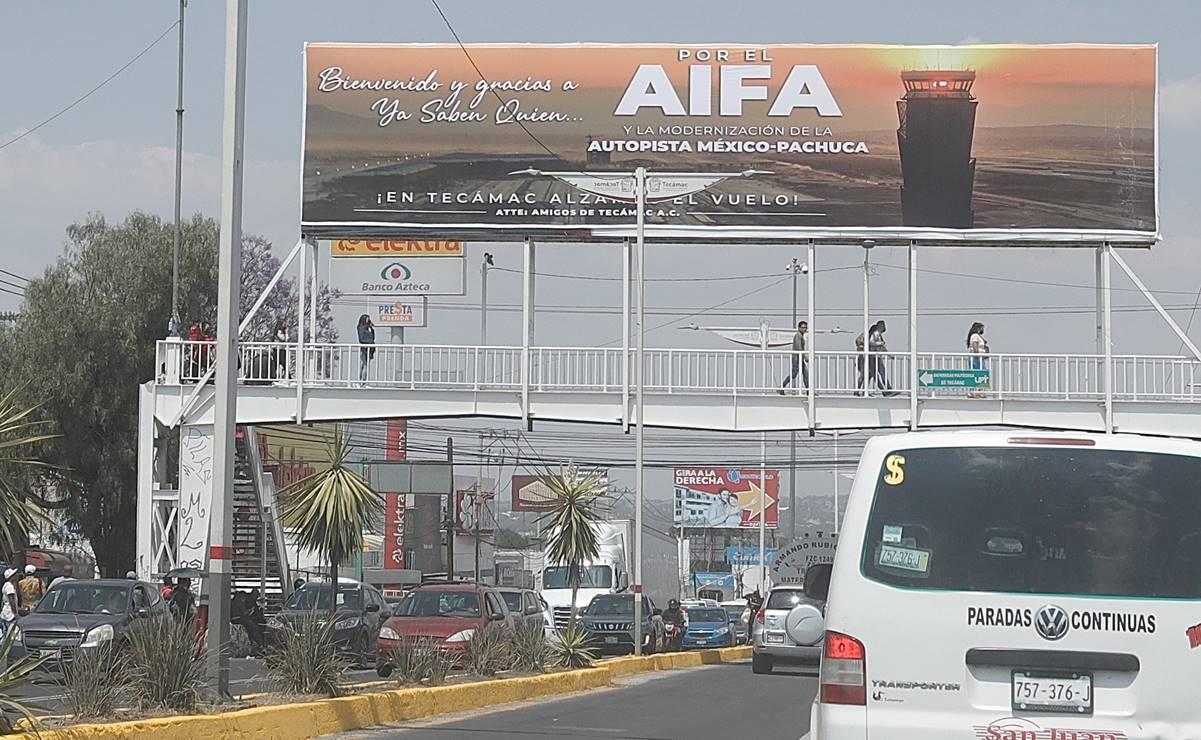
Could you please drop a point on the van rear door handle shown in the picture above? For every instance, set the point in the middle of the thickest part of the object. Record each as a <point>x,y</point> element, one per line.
<point>1066,660</point>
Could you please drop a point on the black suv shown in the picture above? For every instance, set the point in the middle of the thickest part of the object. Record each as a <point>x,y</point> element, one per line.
<point>609,620</point>
<point>360,611</point>
<point>78,615</point>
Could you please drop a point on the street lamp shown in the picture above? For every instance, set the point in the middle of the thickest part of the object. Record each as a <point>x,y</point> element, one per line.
<point>795,268</point>
<point>639,187</point>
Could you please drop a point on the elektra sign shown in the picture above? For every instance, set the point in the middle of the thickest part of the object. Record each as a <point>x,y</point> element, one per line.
<point>968,143</point>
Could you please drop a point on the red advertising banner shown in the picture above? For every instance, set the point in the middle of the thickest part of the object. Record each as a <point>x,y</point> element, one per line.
<point>394,531</point>
<point>466,514</point>
<point>725,498</point>
<point>397,440</point>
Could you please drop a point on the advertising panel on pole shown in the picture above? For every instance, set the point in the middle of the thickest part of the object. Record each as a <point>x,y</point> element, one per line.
<point>409,312</point>
<point>394,531</point>
<point>968,144</point>
<point>393,277</point>
<point>725,498</point>
<point>389,248</point>
<point>466,503</point>
<point>396,437</point>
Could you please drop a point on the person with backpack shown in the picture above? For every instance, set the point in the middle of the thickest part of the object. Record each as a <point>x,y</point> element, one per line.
<point>366,331</point>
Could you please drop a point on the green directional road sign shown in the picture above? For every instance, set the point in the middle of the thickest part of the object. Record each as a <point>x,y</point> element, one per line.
<point>952,378</point>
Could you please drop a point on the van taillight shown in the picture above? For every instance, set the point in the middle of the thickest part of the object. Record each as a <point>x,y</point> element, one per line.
<point>843,671</point>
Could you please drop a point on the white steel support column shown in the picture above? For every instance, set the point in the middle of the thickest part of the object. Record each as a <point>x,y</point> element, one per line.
<point>1100,296</point>
<point>640,246</point>
<point>229,271</point>
<point>1107,336</point>
<point>527,326</point>
<point>625,335</point>
<point>810,349</point>
<point>301,274</point>
<point>763,511</point>
<point>913,405</point>
<point>313,292</point>
<point>867,293</point>
<point>147,482</point>
<point>1180,333</point>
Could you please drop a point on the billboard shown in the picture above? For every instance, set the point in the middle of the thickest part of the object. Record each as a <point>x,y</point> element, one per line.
<point>964,143</point>
<point>466,504</point>
<point>391,277</point>
<point>396,440</point>
<point>410,248</point>
<point>530,493</point>
<point>725,498</point>
<point>408,312</point>
<point>394,531</point>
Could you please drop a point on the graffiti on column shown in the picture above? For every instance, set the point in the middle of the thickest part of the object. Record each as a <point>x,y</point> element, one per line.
<point>195,493</point>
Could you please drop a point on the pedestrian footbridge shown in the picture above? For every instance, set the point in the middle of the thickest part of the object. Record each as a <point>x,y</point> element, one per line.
<point>735,390</point>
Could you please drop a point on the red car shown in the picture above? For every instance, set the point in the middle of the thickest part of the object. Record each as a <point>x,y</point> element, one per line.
<point>450,613</point>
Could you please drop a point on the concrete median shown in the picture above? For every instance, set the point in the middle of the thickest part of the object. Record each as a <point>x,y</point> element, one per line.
<point>328,716</point>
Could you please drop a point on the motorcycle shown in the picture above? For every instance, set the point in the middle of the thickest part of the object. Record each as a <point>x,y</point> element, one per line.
<point>674,635</point>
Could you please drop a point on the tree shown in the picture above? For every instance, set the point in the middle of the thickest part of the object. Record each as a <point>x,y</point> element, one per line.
<point>19,433</point>
<point>329,510</point>
<point>84,341</point>
<point>571,523</point>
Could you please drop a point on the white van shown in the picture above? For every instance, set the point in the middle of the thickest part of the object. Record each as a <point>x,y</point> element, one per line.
<point>1016,586</point>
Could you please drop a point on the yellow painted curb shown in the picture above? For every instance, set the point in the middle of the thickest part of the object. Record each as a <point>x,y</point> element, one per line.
<point>328,716</point>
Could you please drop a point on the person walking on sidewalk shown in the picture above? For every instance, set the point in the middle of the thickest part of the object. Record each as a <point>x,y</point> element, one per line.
<point>366,332</point>
<point>877,348</point>
<point>800,361</point>
<point>31,589</point>
<point>977,346</point>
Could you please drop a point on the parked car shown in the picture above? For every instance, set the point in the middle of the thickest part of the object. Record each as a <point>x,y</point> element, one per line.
<point>690,603</point>
<point>789,628</point>
<point>708,626</point>
<point>360,611</point>
<point>78,615</point>
<point>740,617</point>
<point>525,605</point>
<point>609,620</point>
<point>448,613</point>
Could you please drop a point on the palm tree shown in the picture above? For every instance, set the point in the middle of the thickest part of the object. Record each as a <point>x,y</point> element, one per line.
<point>330,509</point>
<point>572,521</point>
<point>18,433</point>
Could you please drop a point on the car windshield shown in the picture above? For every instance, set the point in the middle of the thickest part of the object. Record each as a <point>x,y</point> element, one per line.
<point>1040,520</point>
<point>786,599</point>
<point>79,598</point>
<point>706,615</point>
<point>513,599</point>
<point>317,597</point>
<point>611,606</point>
<point>591,576</point>
<point>439,603</point>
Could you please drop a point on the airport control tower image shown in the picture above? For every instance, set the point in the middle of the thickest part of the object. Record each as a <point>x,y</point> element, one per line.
<point>937,119</point>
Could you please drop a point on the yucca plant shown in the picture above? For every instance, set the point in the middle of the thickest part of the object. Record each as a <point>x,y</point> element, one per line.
<point>572,648</point>
<point>19,433</point>
<point>94,681</point>
<point>489,650</point>
<point>530,649</point>
<point>411,660</point>
<point>14,675</point>
<point>577,507</point>
<point>166,670</point>
<point>331,509</point>
<point>307,661</point>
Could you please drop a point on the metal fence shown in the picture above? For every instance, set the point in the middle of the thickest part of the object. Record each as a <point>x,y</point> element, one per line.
<point>687,371</point>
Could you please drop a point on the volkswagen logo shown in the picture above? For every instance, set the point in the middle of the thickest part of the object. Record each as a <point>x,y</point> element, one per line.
<point>1051,622</point>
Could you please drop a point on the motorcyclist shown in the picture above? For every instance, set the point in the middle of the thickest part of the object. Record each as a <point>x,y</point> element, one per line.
<point>675,618</point>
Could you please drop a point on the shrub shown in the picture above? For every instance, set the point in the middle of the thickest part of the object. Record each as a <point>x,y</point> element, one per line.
<point>419,659</point>
<point>530,649</point>
<point>571,648</point>
<point>440,665</point>
<point>165,667</point>
<point>14,675</point>
<point>489,650</point>
<point>240,644</point>
<point>307,660</point>
<point>94,681</point>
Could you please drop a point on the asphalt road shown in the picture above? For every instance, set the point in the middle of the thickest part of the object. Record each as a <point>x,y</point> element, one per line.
<point>720,701</point>
<point>246,676</point>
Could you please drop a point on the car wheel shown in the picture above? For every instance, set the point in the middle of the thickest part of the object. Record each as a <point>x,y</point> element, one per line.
<point>760,663</point>
<point>383,670</point>
<point>362,657</point>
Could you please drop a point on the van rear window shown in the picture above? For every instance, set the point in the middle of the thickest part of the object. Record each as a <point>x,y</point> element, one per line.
<point>1037,520</point>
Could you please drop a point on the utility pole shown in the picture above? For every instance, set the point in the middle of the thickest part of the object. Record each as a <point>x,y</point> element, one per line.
<point>640,249</point>
<point>795,267</point>
<point>229,270</point>
<point>173,325</point>
<point>484,298</point>
<point>452,512</point>
<point>867,289</point>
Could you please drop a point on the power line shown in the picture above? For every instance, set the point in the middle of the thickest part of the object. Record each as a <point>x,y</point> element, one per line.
<point>1021,281</point>
<point>726,278</point>
<point>10,283</point>
<point>11,292</point>
<point>88,94</point>
<point>15,275</point>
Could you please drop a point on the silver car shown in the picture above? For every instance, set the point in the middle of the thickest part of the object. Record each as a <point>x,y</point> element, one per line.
<point>789,629</point>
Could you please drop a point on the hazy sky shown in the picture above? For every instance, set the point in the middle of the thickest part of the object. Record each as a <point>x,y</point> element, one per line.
<point>114,153</point>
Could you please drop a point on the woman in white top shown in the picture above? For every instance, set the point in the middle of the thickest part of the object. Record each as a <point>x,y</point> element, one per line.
<point>977,345</point>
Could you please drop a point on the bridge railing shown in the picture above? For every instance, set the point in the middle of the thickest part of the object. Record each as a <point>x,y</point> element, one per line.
<point>707,372</point>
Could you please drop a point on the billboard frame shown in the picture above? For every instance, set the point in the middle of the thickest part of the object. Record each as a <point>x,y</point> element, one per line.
<point>829,236</point>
